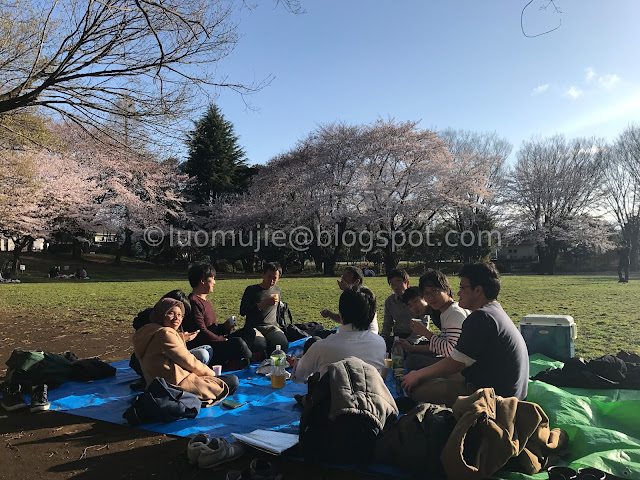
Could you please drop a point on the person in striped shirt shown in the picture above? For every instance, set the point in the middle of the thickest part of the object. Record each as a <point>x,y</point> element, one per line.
<point>435,291</point>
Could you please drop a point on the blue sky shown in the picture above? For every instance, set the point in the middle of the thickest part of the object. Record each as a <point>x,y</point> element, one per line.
<point>461,64</point>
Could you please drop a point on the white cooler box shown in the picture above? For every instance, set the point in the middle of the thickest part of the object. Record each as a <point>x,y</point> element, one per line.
<point>551,335</point>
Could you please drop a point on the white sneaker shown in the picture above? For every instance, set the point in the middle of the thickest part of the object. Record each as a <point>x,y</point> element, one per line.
<point>195,447</point>
<point>219,451</point>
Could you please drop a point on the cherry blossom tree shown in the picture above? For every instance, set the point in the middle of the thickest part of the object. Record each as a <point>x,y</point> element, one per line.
<point>551,195</point>
<point>134,191</point>
<point>364,180</point>
<point>483,154</point>
<point>43,192</point>
<point>408,178</point>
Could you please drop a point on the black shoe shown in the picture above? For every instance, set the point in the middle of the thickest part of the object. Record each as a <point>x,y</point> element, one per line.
<point>39,400</point>
<point>12,398</point>
<point>238,364</point>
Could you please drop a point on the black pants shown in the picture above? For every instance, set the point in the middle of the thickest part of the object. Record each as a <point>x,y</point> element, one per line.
<point>274,336</point>
<point>266,342</point>
<point>233,349</point>
<point>255,342</point>
<point>231,381</point>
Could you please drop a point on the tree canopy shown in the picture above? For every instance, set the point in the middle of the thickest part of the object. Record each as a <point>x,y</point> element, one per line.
<point>216,162</point>
<point>91,61</point>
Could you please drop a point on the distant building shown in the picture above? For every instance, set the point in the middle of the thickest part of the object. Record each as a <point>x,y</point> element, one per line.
<point>6,245</point>
<point>523,251</point>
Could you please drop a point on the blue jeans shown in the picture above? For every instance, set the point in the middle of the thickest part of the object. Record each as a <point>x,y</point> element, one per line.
<point>203,353</point>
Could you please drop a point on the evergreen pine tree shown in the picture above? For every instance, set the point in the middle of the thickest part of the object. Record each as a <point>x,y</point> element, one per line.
<point>216,160</point>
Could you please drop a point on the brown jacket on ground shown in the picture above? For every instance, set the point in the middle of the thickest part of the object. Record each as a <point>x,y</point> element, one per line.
<point>162,353</point>
<point>490,430</point>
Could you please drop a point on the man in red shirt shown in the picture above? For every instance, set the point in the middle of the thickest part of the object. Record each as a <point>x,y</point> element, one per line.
<point>230,352</point>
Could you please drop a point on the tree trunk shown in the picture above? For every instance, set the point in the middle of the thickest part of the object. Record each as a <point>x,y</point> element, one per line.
<point>76,249</point>
<point>329,267</point>
<point>125,248</point>
<point>248,261</point>
<point>18,246</point>
<point>390,258</point>
<point>548,254</point>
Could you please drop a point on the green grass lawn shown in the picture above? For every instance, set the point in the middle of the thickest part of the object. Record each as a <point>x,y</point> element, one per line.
<point>607,313</point>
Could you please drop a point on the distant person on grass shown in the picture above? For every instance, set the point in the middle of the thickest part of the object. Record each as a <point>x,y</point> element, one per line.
<point>490,351</point>
<point>350,276</point>
<point>436,292</point>
<point>229,351</point>
<point>161,349</point>
<point>259,305</point>
<point>354,338</point>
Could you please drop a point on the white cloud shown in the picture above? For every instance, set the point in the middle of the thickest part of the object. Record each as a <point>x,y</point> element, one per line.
<point>608,81</point>
<point>590,73</point>
<point>574,92</point>
<point>540,89</point>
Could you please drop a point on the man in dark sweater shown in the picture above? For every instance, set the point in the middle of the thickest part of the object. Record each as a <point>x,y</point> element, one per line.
<point>230,352</point>
<point>490,351</point>
<point>259,305</point>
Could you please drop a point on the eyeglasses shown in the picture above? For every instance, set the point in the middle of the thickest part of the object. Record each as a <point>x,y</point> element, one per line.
<point>173,314</point>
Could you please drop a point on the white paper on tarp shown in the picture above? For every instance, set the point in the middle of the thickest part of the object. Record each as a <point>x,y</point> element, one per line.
<point>268,440</point>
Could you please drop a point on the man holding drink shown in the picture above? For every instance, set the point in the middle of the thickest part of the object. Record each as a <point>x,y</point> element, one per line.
<point>259,305</point>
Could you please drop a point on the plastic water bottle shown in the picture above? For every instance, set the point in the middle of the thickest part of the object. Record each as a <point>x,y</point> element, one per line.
<point>397,356</point>
<point>278,362</point>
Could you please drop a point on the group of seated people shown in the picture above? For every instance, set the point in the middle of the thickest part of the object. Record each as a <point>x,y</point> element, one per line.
<point>478,345</point>
<point>81,273</point>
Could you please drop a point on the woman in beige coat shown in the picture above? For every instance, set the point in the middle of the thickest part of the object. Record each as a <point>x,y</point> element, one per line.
<point>162,352</point>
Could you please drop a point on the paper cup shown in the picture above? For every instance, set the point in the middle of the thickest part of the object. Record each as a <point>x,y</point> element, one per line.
<point>217,369</point>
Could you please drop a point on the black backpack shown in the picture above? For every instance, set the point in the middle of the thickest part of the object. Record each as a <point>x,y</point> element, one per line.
<point>162,402</point>
<point>285,322</point>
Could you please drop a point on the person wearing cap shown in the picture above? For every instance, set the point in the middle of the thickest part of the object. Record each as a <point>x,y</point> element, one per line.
<point>162,352</point>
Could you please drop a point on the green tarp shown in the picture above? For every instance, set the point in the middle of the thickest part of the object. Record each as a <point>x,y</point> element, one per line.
<point>603,425</point>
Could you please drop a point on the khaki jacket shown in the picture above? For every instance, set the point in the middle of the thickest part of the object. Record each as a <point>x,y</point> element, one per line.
<point>162,353</point>
<point>490,430</point>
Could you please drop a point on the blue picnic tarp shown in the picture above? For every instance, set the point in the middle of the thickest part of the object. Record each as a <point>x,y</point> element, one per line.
<point>603,425</point>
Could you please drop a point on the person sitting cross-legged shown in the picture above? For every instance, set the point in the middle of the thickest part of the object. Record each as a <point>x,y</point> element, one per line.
<point>490,352</point>
<point>357,307</point>
<point>259,304</point>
